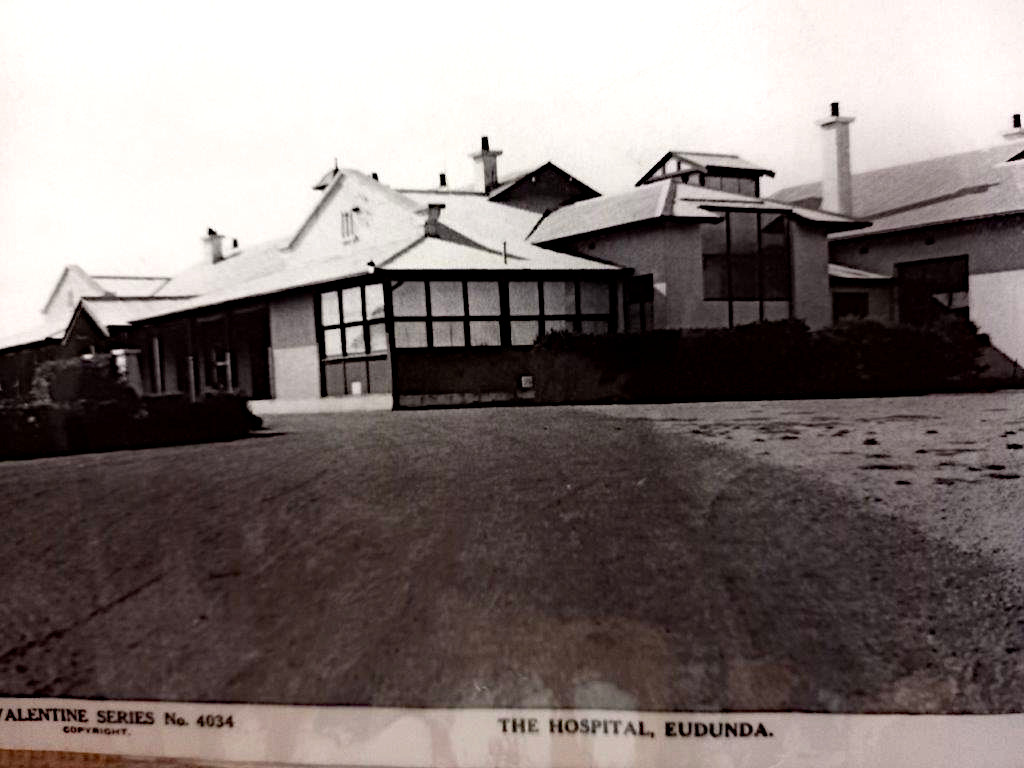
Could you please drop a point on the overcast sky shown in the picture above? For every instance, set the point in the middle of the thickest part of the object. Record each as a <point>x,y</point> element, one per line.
<point>127,129</point>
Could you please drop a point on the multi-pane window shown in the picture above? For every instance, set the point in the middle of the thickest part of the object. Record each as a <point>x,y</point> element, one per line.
<point>740,186</point>
<point>353,321</point>
<point>470,313</point>
<point>746,258</point>
<point>539,307</point>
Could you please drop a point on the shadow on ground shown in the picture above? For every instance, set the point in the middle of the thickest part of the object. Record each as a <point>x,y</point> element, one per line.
<point>499,557</point>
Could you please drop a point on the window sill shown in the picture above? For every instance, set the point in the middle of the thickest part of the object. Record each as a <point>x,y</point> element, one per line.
<point>350,358</point>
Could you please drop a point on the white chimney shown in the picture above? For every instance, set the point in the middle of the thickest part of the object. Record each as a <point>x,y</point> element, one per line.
<point>433,214</point>
<point>1017,133</point>
<point>488,158</point>
<point>836,179</point>
<point>214,246</point>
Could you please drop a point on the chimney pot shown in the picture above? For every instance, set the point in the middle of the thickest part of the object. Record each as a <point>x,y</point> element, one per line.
<point>837,178</point>
<point>433,214</point>
<point>444,180</point>
<point>488,159</point>
<point>214,246</point>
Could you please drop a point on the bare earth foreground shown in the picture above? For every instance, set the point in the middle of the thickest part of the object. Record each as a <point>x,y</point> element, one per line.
<point>849,555</point>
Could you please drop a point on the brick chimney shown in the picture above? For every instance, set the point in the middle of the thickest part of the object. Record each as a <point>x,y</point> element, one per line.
<point>836,178</point>
<point>1017,133</point>
<point>488,158</point>
<point>433,214</point>
<point>214,246</point>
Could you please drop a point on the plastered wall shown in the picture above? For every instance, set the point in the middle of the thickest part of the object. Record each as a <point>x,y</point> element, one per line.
<point>296,358</point>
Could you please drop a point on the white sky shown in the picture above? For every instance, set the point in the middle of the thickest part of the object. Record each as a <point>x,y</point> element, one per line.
<point>127,129</point>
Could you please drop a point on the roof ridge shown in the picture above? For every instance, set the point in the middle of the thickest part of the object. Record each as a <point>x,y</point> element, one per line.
<point>115,297</point>
<point>707,154</point>
<point>1009,146</point>
<point>127,277</point>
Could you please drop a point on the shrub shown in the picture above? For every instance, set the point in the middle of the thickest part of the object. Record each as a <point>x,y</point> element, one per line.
<point>81,405</point>
<point>90,379</point>
<point>762,360</point>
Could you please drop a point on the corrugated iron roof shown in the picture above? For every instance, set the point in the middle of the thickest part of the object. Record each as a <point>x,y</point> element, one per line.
<point>308,272</point>
<point>964,186</point>
<point>719,160</point>
<point>643,203</point>
<point>433,253</point>
<point>418,253</point>
<point>53,330</point>
<point>650,201</point>
<point>705,161</point>
<point>124,285</point>
<point>119,313</point>
<point>244,265</point>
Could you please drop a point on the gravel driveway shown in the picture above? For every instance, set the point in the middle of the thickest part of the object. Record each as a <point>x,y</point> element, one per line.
<point>793,555</point>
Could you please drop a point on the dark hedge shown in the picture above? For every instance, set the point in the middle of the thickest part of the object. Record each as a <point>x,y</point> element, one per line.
<point>81,405</point>
<point>760,361</point>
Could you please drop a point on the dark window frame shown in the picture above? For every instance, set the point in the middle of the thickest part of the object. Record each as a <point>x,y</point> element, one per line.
<point>763,218</point>
<point>342,325</point>
<point>505,318</point>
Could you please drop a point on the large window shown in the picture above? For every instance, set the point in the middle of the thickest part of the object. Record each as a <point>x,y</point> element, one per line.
<point>931,288</point>
<point>353,321</point>
<point>746,258</point>
<point>484,313</point>
<point>740,186</point>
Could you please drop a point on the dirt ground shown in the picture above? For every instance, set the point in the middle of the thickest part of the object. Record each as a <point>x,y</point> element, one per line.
<point>790,555</point>
<point>951,464</point>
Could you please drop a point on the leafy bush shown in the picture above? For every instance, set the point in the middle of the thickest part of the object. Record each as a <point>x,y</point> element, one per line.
<point>762,360</point>
<point>91,379</point>
<point>81,405</point>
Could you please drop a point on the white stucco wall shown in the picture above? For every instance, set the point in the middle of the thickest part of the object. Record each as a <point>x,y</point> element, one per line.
<point>379,215</point>
<point>997,307</point>
<point>991,245</point>
<point>296,358</point>
<point>995,257</point>
<point>672,253</point>
<point>812,300</point>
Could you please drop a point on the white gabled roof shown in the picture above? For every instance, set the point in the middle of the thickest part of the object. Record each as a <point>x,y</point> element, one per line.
<point>309,272</point>
<point>113,312</point>
<point>953,188</point>
<point>667,199</point>
<point>128,286</point>
<point>53,330</point>
<point>238,267</point>
<point>432,253</point>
